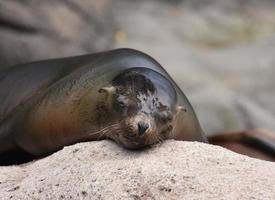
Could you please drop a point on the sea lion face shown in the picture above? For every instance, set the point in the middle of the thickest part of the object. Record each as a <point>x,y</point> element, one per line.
<point>145,109</point>
<point>145,119</point>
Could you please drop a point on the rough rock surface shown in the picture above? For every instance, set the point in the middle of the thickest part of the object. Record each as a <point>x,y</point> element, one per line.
<point>173,170</point>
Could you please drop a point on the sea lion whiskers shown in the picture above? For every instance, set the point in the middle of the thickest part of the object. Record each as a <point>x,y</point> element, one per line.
<point>111,130</point>
<point>104,130</point>
<point>158,138</point>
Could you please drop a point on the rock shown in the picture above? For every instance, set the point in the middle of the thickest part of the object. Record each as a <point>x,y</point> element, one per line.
<point>229,110</point>
<point>34,30</point>
<point>172,170</point>
<point>255,143</point>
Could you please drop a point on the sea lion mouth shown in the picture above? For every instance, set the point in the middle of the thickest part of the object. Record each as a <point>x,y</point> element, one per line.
<point>134,141</point>
<point>132,144</point>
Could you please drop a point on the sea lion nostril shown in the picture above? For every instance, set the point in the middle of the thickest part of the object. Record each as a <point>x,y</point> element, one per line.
<point>142,127</point>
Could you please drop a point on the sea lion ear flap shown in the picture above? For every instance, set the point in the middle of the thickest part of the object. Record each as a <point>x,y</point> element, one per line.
<point>180,109</point>
<point>108,90</point>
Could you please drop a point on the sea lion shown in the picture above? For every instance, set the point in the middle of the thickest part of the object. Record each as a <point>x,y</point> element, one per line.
<point>123,95</point>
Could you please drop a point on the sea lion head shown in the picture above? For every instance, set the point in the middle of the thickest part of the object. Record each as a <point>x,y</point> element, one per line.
<point>143,102</point>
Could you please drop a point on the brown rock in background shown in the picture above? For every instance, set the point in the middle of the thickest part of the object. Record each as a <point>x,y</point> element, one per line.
<point>258,143</point>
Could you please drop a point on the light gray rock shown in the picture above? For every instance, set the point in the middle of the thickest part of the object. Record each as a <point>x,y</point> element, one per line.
<point>34,30</point>
<point>173,170</point>
<point>221,109</point>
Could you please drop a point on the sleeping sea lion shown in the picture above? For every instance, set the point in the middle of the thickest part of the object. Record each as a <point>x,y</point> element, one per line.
<point>123,95</point>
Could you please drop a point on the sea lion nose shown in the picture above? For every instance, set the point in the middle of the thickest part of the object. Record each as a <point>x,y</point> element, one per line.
<point>142,127</point>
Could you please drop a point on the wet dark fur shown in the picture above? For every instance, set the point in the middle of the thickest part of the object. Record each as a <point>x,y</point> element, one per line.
<point>49,104</point>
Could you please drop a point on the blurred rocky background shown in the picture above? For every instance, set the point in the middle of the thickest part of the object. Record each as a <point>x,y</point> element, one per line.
<point>221,53</point>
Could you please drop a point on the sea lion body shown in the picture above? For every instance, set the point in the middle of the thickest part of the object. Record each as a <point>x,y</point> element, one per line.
<point>49,104</point>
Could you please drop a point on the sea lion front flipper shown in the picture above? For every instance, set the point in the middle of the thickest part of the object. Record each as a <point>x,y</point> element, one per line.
<point>254,143</point>
<point>10,153</point>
